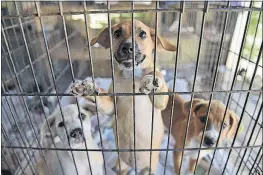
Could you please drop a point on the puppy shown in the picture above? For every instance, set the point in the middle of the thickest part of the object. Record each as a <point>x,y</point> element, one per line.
<point>196,126</point>
<point>75,138</point>
<point>122,48</point>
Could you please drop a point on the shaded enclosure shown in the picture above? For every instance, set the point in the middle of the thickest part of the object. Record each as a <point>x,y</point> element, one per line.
<point>44,48</point>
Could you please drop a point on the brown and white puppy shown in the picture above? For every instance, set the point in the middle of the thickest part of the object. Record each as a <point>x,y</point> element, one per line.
<point>122,48</point>
<point>198,119</point>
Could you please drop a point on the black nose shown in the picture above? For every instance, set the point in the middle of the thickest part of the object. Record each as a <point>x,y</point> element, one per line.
<point>209,141</point>
<point>127,48</point>
<point>76,132</point>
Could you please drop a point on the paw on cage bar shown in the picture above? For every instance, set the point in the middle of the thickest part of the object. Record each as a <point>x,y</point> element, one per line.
<point>113,87</point>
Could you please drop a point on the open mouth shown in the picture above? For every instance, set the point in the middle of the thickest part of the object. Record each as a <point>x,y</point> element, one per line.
<point>128,63</point>
<point>77,141</point>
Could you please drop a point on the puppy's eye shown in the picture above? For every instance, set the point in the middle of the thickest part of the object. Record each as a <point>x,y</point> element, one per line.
<point>117,33</point>
<point>203,119</point>
<point>224,125</point>
<point>83,116</point>
<point>61,124</point>
<point>142,34</point>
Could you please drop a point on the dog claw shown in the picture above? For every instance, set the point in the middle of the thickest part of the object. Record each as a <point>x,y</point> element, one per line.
<point>82,88</point>
<point>148,84</point>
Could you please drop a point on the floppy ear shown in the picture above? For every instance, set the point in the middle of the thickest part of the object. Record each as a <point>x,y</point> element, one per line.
<point>197,104</point>
<point>233,124</point>
<point>103,39</point>
<point>45,132</point>
<point>162,43</point>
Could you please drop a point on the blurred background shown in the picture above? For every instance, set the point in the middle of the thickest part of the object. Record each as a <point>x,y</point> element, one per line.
<point>237,29</point>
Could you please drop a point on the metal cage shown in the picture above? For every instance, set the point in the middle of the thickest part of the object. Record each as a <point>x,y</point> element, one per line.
<point>45,47</point>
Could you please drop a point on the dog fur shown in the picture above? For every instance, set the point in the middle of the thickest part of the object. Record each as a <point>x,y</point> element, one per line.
<point>62,140</point>
<point>144,47</point>
<point>196,127</point>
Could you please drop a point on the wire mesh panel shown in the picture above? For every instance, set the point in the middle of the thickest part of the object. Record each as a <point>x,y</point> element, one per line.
<point>46,47</point>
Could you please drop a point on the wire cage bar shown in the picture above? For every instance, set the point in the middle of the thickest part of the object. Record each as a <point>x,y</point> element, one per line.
<point>46,47</point>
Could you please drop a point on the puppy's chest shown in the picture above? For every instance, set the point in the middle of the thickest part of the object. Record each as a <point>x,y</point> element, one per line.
<point>125,85</point>
<point>194,153</point>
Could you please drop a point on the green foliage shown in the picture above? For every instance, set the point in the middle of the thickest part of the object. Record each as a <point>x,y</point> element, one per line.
<point>254,35</point>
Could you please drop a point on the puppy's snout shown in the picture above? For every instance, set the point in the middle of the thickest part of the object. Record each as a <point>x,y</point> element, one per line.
<point>77,132</point>
<point>209,141</point>
<point>127,48</point>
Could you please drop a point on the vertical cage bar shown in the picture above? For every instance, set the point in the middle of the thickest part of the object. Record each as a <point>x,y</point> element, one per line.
<point>259,131</point>
<point>20,134</point>
<point>232,86</point>
<point>133,85</point>
<point>35,80</point>
<point>46,120</point>
<point>6,162</point>
<point>43,110</point>
<point>154,76</point>
<point>73,78</point>
<point>234,52</point>
<point>258,156</point>
<point>113,84</point>
<point>252,132</point>
<point>9,143</point>
<point>243,82</point>
<point>13,50</point>
<point>16,38</point>
<point>91,65</point>
<point>19,85</point>
<point>251,83</point>
<point>174,80</point>
<point>214,81</point>
<point>242,113</point>
<point>54,81</point>
<point>206,3</point>
<point>249,125</point>
<point>250,54</point>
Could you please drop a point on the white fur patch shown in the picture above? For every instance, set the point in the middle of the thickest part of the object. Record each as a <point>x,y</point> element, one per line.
<point>147,84</point>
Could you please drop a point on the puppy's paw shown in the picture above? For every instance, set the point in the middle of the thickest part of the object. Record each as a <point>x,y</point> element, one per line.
<point>146,171</point>
<point>148,84</point>
<point>83,89</point>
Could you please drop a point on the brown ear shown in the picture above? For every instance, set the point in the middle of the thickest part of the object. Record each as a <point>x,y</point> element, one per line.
<point>103,39</point>
<point>233,124</point>
<point>162,43</point>
<point>197,104</point>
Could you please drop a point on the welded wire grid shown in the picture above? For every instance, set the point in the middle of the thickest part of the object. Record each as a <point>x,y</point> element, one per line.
<point>228,60</point>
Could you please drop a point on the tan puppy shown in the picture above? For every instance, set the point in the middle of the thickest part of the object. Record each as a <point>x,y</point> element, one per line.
<point>196,126</point>
<point>123,56</point>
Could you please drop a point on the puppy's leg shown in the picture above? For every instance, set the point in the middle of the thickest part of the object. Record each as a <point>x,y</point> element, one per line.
<point>124,167</point>
<point>154,164</point>
<point>191,169</point>
<point>159,85</point>
<point>177,161</point>
<point>146,171</point>
<point>40,167</point>
<point>86,88</point>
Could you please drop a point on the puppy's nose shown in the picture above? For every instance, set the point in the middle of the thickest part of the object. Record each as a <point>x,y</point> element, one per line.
<point>127,48</point>
<point>209,141</point>
<point>76,132</point>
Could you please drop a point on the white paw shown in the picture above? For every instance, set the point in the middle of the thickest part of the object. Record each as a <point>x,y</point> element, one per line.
<point>82,88</point>
<point>148,84</point>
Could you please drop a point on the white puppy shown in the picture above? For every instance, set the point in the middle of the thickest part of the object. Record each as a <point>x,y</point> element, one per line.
<point>76,139</point>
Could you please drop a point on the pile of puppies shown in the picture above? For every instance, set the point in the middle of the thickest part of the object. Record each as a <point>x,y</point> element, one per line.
<point>77,136</point>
